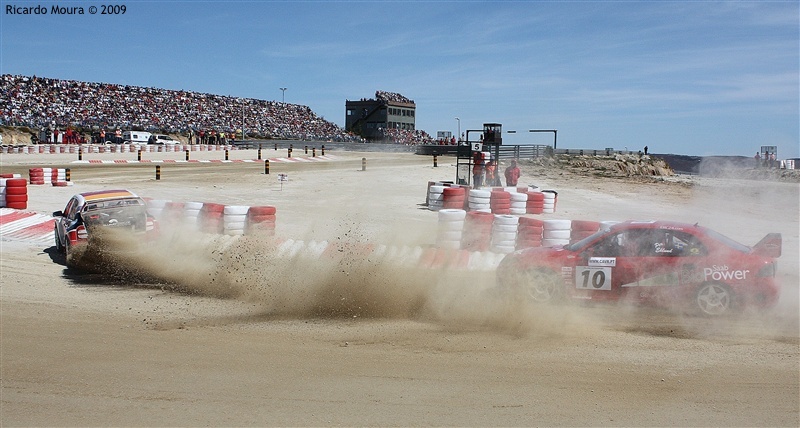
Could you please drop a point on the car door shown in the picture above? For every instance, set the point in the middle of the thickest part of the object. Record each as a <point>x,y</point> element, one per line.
<point>665,259</point>
<point>606,270</point>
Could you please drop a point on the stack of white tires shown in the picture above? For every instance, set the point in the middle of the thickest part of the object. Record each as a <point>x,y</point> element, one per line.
<point>435,197</point>
<point>504,233</point>
<point>234,220</point>
<point>556,232</point>
<point>450,228</point>
<point>480,200</point>
<point>191,212</point>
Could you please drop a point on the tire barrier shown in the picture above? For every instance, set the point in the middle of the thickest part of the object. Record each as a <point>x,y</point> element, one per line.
<point>210,218</point>
<point>480,200</point>
<point>583,229</point>
<point>435,197</point>
<point>213,218</point>
<point>109,148</point>
<point>500,202</point>
<point>504,201</point>
<point>454,197</point>
<point>519,202</point>
<point>477,233</point>
<point>535,203</point>
<point>550,199</point>
<point>14,192</point>
<point>529,232</point>
<point>54,176</point>
<point>234,219</point>
<point>450,228</point>
<point>504,233</point>
<point>556,232</point>
<point>261,219</point>
<point>191,213</point>
<point>36,176</point>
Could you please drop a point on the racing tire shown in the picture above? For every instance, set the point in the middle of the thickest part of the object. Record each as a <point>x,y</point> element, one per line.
<point>714,299</point>
<point>59,248</point>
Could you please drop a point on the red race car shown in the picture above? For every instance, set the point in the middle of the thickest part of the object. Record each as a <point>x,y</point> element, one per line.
<point>655,262</point>
<point>98,224</point>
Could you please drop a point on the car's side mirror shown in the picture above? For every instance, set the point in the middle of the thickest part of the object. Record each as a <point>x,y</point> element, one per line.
<point>58,214</point>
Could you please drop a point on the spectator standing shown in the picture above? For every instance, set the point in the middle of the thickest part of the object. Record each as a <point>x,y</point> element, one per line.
<point>491,174</point>
<point>757,158</point>
<point>512,173</point>
<point>477,169</point>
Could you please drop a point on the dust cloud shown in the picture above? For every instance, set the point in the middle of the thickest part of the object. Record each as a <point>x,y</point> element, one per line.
<point>344,278</point>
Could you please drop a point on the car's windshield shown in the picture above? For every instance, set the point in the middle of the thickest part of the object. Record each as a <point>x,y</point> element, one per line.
<point>116,213</point>
<point>577,246</point>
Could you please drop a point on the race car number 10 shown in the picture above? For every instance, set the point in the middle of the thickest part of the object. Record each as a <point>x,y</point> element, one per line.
<point>593,278</point>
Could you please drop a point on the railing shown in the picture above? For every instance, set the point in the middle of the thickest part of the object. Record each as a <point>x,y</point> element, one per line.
<point>526,151</point>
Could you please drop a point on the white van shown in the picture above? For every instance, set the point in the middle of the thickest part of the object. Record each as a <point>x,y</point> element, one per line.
<point>135,137</point>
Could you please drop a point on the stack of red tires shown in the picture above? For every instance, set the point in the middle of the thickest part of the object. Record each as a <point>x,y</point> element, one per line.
<point>261,219</point>
<point>14,191</point>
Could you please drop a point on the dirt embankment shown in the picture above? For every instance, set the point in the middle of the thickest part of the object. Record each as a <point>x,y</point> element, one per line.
<point>645,168</point>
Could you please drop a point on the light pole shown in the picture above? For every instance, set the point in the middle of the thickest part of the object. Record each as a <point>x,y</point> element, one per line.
<point>283,94</point>
<point>459,129</point>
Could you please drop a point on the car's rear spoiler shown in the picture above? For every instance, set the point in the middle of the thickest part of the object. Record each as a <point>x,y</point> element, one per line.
<point>769,246</point>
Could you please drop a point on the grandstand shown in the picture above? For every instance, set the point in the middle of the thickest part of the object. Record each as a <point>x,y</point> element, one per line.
<point>42,103</point>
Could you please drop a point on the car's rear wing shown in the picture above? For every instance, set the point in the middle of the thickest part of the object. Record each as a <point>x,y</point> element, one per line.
<point>769,246</point>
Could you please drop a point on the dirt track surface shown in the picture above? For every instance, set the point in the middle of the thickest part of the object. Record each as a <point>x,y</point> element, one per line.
<point>297,342</point>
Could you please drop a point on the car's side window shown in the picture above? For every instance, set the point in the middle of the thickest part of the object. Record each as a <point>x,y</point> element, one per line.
<point>69,211</point>
<point>688,245</point>
<point>670,243</point>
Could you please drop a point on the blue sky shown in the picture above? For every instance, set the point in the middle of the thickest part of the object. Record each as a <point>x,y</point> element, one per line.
<point>698,78</point>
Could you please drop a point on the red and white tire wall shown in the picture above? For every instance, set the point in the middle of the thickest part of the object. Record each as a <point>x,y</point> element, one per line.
<point>529,232</point>
<point>54,176</point>
<point>477,233</point>
<point>261,219</point>
<point>13,191</point>
<point>450,228</point>
<point>480,200</point>
<point>214,218</point>
<point>500,202</point>
<point>443,195</point>
<point>504,233</point>
<point>556,232</point>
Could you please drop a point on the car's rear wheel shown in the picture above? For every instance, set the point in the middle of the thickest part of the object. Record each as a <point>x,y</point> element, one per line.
<point>714,299</point>
<point>536,284</point>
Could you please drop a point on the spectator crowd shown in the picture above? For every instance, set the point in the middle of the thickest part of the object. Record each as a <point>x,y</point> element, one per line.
<point>41,103</point>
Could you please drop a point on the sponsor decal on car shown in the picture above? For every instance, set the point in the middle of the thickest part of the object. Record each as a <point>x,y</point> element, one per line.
<point>603,261</point>
<point>722,272</point>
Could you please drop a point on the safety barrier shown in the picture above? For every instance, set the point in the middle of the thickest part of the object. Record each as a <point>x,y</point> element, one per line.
<point>214,218</point>
<point>111,148</point>
<point>504,233</point>
<point>13,191</point>
<point>55,176</point>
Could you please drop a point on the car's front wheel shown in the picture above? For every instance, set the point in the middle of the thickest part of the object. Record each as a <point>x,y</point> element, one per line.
<point>59,247</point>
<point>537,284</point>
<point>714,299</point>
